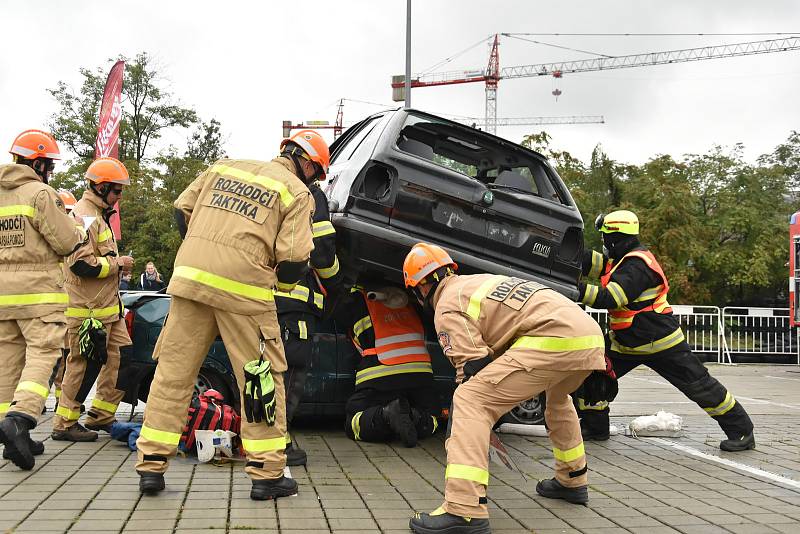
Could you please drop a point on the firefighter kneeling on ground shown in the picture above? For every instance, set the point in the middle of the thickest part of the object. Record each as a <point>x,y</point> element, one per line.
<point>96,328</point>
<point>643,331</point>
<point>395,394</point>
<point>247,230</point>
<point>300,309</point>
<point>509,339</point>
<point>35,232</point>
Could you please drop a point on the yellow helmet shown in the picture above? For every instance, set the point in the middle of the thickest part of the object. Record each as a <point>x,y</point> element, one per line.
<point>622,221</point>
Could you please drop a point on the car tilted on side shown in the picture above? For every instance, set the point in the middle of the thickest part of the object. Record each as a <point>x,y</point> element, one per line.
<point>397,178</point>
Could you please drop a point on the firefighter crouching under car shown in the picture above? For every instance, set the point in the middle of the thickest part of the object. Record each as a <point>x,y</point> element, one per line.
<point>301,309</point>
<point>394,393</point>
<point>247,228</point>
<point>35,232</point>
<point>509,339</point>
<point>643,331</point>
<point>96,328</point>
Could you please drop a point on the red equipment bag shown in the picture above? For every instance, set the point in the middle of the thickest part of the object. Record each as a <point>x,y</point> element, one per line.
<point>208,412</point>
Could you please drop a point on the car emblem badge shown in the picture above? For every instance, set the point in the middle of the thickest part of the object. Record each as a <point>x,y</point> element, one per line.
<point>488,197</point>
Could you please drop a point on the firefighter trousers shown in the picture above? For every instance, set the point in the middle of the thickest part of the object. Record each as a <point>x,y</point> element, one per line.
<point>29,348</point>
<point>481,401</point>
<point>363,413</point>
<point>296,332</point>
<point>684,370</point>
<point>79,376</point>
<point>182,346</point>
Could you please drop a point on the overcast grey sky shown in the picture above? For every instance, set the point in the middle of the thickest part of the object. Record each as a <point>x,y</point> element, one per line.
<point>252,64</point>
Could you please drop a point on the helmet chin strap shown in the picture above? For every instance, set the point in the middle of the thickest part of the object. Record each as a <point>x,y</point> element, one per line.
<point>102,191</point>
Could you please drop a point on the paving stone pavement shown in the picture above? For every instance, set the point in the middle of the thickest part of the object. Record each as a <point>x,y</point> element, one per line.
<point>637,485</point>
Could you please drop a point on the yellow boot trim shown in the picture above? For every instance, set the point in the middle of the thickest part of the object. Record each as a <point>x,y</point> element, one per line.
<point>467,472</point>
<point>103,405</point>
<point>160,436</point>
<point>68,414</point>
<point>264,445</point>
<point>355,424</point>
<point>33,387</point>
<point>569,455</point>
<point>723,407</point>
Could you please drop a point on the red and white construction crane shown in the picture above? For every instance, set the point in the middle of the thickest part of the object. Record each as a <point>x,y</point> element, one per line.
<point>492,74</point>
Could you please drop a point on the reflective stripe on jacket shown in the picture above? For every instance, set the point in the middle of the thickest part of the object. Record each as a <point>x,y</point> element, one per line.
<point>94,296</point>
<point>653,299</point>
<point>244,218</point>
<point>399,346</point>
<point>35,232</point>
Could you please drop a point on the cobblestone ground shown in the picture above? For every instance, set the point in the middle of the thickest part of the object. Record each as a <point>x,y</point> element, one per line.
<point>638,485</point>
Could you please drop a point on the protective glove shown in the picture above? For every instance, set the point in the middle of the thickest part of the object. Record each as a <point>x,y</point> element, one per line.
<point>92,341</point>
<point>473,367</point>
<point>259,392</point>
<point>581,290</point>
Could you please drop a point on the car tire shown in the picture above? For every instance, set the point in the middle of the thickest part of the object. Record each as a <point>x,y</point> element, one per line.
<point>529,412</point>
<point>210,379</point>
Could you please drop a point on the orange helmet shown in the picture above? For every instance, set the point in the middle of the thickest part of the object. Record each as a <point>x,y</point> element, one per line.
<point>423,260</point>
<point>33,144</point>
<point>68,199</point>
<point>108,170</point>
<point>314,146</point>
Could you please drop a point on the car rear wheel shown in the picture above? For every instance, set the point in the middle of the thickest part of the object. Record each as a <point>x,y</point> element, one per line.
<point>210,379</point>
<point>529,412</point>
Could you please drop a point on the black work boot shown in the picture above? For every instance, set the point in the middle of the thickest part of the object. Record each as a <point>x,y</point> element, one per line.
<point>36,447</point>
<point>98,427</point>
<point>264,490</point>
<point>150,483</point>
<point>552,489</point>
<point>397,415</point>
<point>74,433</point>
<point>15,435</point>
<point>744,443</point>
<point>595,432</point>
<point>441,522</point>
<point>295,455</point>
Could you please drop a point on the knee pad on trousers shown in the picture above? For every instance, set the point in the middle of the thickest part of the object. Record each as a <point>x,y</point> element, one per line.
<point>706,392</point>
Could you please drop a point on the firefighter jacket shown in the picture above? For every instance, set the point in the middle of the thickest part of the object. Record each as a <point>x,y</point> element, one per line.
<point>247,220</point>
<point>308,296</point>
<point>390,343</point>
<point>634,290</point>
<point>488,315</point>
<point>92,271</point>
<point>35,232</point>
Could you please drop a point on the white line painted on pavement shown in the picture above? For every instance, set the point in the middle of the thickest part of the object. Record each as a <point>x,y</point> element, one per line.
<point>730,463</point>
<point>783,378</point>
<point>749,399</point>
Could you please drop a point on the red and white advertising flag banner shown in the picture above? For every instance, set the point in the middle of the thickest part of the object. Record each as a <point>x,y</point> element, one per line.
<point>107,143</point>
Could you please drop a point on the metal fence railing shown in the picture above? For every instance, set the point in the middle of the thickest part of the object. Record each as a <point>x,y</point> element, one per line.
<point>734,335</point>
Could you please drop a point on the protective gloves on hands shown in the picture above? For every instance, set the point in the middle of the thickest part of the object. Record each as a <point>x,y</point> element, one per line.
<point>92,341</point>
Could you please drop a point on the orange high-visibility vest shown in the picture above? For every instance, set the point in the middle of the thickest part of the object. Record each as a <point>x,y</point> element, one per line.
<point>399,335</point>
<point>621,318</point>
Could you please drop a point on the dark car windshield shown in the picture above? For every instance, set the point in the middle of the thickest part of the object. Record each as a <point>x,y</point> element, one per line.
<point>495,164</point>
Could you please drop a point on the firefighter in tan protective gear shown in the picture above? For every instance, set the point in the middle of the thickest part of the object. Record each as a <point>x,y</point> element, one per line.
<point>509,339</point>
<point>96,328</point>
<point>247,227</point>
<point>35,233</point>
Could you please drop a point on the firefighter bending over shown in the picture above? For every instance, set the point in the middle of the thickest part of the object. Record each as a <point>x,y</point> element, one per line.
<point>509,339</point>
<point>643,331</point>
<point>247,230</point>
<point>394,392</point>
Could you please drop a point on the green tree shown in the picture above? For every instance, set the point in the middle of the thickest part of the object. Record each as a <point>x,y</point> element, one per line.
<point>157,176</point>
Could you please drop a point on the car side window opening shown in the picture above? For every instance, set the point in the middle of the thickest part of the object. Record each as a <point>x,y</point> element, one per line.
<point>493,164</point>
<point>353,144</point>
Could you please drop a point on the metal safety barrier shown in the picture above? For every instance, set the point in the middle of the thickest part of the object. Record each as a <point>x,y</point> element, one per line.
<point>733,334</point>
